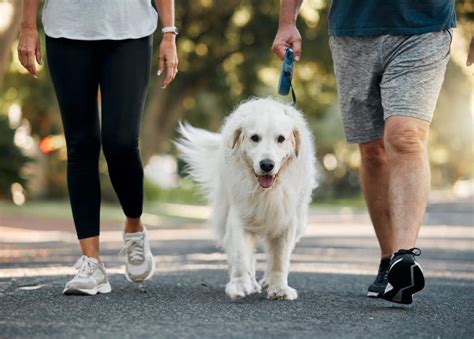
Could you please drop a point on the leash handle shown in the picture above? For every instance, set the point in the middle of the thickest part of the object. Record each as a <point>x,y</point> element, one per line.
<point>284,84</point>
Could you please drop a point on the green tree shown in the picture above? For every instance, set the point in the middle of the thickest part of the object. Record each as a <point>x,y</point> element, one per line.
<point>8,31</point>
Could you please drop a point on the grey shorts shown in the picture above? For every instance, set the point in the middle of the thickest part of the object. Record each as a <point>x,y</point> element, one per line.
<point>383,76</point>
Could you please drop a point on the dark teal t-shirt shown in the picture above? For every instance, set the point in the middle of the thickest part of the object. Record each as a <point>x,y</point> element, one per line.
<point>394,17</point>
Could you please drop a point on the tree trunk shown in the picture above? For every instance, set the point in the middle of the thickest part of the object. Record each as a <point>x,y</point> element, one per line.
<point>8,34</point>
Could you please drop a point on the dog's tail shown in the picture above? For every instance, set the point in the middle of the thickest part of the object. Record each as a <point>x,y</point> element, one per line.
<point>199,149</point>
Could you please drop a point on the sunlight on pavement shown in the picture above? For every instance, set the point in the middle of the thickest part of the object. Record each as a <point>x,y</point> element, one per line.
<point>331,248</point>
<point>327,268</point>
<point>18,235</point>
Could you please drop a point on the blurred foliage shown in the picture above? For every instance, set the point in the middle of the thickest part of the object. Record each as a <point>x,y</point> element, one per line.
<point>451,137</point>
<point>225,57</point>
<point>12,160</point>
<point>465,12</point>
<point>186,193</point>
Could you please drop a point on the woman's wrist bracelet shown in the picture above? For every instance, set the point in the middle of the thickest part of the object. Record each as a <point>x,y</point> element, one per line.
<point>170,29</point>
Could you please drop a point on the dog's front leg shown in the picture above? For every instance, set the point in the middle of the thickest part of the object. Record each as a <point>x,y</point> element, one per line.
<point>240,246</point>
<point>278,263</point>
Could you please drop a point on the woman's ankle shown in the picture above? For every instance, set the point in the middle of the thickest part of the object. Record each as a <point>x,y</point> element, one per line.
<point>90,247</point>
<point>133,225</point>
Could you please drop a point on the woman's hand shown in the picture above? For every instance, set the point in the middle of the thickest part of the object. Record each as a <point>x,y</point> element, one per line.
<point>168,58</point>
<point>29,49</point>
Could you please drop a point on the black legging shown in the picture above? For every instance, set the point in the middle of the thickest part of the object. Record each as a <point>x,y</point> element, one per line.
<point>121,68</point>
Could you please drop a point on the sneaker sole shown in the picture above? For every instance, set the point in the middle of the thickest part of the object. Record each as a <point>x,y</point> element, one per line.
<point>139,279</point>
<point>404,280</point>
<point>371,294</point>
<point>102,289</point>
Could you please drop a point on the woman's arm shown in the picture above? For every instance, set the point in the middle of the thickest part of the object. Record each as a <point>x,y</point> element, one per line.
<point>168,54</point>
<point>29,47</point>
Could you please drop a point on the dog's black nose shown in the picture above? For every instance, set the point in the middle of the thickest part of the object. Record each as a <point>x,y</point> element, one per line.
<point>267,165</point>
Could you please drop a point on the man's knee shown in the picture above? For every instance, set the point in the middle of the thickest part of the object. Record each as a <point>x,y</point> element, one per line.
<point>373,153</point>
<point>405,136</point>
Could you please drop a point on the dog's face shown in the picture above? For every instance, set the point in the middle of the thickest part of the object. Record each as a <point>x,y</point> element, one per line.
<point>268,142</point>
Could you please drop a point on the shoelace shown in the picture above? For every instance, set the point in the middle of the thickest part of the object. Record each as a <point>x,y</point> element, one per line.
<point>84,266</point>
<point>414,251</point>
<point>135,249</point>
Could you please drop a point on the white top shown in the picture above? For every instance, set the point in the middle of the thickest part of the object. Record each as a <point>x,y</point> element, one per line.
<point>99,19</point>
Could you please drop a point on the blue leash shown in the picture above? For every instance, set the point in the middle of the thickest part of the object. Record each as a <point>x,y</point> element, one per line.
<point>284,84</point>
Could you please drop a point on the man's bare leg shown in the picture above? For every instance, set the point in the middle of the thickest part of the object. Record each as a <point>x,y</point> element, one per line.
<point>374,180</point>
<point>405,141</point>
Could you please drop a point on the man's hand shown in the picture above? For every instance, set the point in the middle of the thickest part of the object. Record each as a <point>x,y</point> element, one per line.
<point>29,49</point>
<point>287,36</point>
<point>470,54</point>
<point>168,58</point>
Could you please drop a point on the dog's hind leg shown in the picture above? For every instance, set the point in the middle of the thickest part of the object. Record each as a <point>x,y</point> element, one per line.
<point>239,246</point>
<point>278,263</point>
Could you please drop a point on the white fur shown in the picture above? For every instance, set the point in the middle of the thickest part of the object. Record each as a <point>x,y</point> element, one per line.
<point>225,166</point>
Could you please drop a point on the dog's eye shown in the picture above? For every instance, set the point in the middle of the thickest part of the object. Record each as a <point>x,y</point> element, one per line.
<point>255,138</point>
<point>280,139</point>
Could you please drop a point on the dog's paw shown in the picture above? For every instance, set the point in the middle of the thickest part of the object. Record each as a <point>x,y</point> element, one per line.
<point>256,288</point>
<point>263,282</point>
<point>281,292</point>
<point>240,288</point>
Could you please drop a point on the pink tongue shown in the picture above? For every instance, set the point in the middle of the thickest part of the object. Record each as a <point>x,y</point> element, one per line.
<point>265,181</point>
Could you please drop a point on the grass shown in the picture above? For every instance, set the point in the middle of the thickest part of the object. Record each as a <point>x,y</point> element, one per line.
<point>356,202</point>
<point>54,209</point>
<point>60,209</point>
<point>111,212</point>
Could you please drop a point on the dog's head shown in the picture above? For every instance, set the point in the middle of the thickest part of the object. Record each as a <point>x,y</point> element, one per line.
<point>266,138</point>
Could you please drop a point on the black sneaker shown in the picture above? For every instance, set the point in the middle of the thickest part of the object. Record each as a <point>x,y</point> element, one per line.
<point>378,286</point>
<point>405,277</point>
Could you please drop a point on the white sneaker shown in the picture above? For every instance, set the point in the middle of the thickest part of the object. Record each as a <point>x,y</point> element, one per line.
<point>90,279</point>
<point>139,263</point>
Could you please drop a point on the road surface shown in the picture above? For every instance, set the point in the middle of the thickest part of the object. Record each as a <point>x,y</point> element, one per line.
<point>331,269</point>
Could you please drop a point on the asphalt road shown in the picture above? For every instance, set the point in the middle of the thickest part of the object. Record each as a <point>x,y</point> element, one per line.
<point>331,269</point>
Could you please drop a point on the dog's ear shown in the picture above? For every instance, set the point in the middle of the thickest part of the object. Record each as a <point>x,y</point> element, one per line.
<point>297,141</point>
<point>235,138</point>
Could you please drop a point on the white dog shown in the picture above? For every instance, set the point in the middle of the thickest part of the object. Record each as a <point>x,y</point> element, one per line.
<point>258,174</point>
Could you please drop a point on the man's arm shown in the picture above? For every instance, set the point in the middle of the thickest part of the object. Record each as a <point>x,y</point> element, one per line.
<point>288,35</point>
<point>470,53</point>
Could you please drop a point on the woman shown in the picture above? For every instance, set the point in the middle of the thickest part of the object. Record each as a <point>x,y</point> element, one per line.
<point>106,44</point>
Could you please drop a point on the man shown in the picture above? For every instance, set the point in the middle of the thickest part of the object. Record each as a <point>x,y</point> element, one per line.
<point>389,59</point>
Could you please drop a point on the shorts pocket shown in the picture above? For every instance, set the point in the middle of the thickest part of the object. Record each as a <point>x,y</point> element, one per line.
<point>449,32</point>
